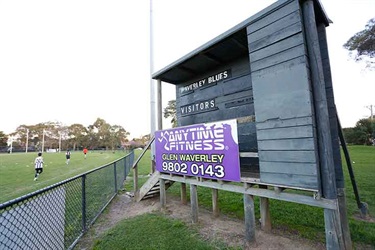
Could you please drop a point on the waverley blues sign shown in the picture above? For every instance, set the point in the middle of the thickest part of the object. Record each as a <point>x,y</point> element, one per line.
<point>208,150</point>
<point>209,80</point>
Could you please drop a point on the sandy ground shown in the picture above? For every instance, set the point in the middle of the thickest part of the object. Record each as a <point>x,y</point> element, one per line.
<point>229,230</point>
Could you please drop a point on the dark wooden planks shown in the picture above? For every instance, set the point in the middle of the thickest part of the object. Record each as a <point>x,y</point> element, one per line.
<point>283,103</point>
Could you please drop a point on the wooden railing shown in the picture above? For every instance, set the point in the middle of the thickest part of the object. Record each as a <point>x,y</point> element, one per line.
<point>135,166</point>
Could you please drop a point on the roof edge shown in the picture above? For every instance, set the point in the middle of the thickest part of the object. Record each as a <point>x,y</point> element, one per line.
<point>276,5</point>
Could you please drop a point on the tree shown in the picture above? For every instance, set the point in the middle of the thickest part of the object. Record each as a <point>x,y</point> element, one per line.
<point>362,133</point>
<point>78,135</point>
<point>362,44</point>
<point>170,111</point>
<point>3,139</point>
<point>145,139</point>
<point>117,135</point>
<point>21,134</point>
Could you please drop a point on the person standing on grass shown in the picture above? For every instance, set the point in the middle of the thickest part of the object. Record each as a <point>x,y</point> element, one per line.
<point>67,156</point>
<point>85,152</point>
<point>38,166</point>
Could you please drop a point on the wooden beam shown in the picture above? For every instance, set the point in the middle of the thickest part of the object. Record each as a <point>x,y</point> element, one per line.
<point>212,58</point>
<point>290,197</point>
<point>242,46</point>
<point>332,219</point>
<point>344,218</point>
<point>327,167</point>
<point>249,218</point>
<point>194,203</point>
<point>215,203</point>
<point>265,215</point>
<point>183,194</point>
<point>163,195</point>
<point>187,70</point>
<point>334,238</point>
<point>135,181</point>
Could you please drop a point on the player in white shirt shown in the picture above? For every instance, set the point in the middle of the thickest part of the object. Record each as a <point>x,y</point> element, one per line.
<point>38,166</point>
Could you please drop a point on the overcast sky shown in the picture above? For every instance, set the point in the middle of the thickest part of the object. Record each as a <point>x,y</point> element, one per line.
<point>74,61</point>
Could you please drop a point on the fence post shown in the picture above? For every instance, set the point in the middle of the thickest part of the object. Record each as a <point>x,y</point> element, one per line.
<point>115,173</point>
<point>125,164</point>
<point>83,203</point>
<point>135,180</point>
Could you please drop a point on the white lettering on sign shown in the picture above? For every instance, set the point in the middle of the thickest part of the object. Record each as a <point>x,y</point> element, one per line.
<point>198,107</point>
<point>206,81</point>
<point>195,139</point>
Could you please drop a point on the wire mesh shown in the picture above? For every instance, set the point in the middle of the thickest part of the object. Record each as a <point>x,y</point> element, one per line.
<point>57,216</point>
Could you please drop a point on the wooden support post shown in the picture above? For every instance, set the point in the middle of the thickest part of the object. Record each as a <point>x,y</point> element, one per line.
<point>334,239</point>
<point>249,218</point>
<point>194,203</point>
<point>135,181</point>
<point>333,227</point>
<point>153,165</point>
<point>183,194</point>
<point>163,195</point>
<point>215,203</point>
<point>265,216</point>
<point>344,219</point>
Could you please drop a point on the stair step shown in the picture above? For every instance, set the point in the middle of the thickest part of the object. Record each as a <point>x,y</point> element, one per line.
<point>152,187</point>
<point>150,196</point>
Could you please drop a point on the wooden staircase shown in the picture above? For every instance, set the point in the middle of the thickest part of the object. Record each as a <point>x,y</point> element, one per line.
<point>151,188</point>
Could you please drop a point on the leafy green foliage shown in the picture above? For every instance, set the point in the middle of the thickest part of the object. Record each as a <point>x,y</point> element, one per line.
<point>3,139</point>
<point>170,112</point>
<point>76,136</point>
<point>363,43</point>
<point>362,133</point>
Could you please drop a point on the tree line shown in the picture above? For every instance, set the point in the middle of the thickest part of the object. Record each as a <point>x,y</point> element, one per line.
<point>53,135</point>
<point>363,133</point>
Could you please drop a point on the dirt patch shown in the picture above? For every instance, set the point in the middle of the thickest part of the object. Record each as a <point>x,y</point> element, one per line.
<point>226,229</point>
<point>367,218</point>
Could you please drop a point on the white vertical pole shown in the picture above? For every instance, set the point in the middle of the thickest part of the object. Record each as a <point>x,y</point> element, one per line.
<point>159,105</point>
<point>27,139</point>
<point>371,111</point>
<point>152,86</point>
<point>43,142</point>
<point>11,145</point>
<point>59,141</point>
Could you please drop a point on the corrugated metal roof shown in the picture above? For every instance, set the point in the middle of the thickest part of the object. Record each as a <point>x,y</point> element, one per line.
<point>222,49</point>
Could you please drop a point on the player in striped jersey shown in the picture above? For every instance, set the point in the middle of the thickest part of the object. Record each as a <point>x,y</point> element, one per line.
<point>38,165</point>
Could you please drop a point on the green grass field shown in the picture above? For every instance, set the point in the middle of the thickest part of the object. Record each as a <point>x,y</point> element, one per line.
<point>17,170</point>
<point>17,174</point>
<point>302,220</point>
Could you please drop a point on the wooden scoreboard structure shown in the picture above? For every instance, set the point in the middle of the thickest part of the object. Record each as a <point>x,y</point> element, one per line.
<point>272,74</point>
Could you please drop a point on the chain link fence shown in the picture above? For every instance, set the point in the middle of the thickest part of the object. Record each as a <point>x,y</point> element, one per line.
<point>57,216</point>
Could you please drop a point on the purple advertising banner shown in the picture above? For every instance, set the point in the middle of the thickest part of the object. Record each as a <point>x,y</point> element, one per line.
<point>208,150</point>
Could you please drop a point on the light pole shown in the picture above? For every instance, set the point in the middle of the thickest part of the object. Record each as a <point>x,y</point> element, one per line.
<point>370,107</point>
<point>152,86</point>
<point>59,141</point>
<point>43,142</point>
<point>11,145</point>
<point>27,139</point>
